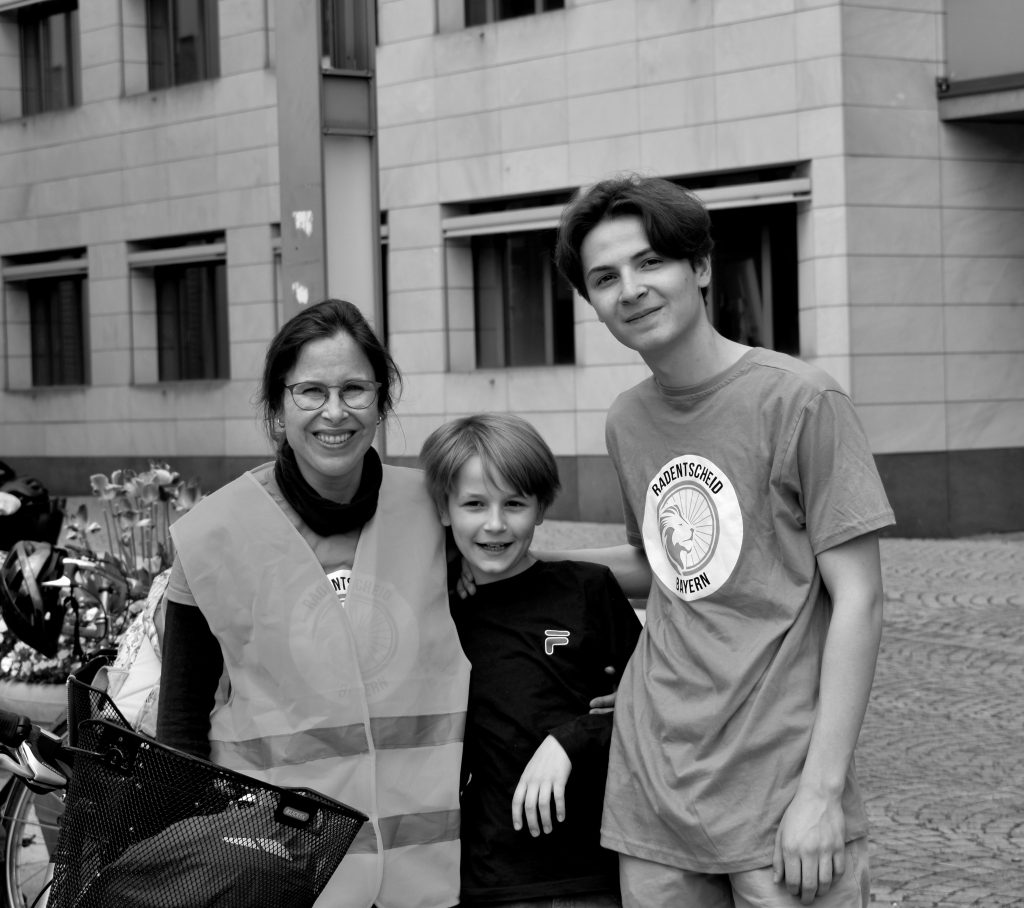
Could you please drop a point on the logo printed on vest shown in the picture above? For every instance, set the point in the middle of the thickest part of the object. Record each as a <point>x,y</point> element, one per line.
<point>693,527</point>
<point>377,626</point>
<point>553,639</point>
<point>340,580</point>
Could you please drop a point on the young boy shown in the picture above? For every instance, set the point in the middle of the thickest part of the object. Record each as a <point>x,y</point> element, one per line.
<point>753,500</point>
<point>539,636</point>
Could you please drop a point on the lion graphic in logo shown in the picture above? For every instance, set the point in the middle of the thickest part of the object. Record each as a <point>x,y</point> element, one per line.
<point>688,528</point>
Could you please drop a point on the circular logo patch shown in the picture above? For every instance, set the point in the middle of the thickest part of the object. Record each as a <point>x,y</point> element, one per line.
<point>375,623</point>
<point>693,528</point>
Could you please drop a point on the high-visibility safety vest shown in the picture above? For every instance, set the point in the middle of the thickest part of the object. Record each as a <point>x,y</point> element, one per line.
<point>364,702</point>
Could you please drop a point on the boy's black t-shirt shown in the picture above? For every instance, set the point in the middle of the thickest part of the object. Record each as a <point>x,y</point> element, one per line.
<point>538,643</point>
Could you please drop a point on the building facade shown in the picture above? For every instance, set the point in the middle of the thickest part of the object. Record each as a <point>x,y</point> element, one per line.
<point>177,176</point>
<point>149,245</point>
<point>864,164</point>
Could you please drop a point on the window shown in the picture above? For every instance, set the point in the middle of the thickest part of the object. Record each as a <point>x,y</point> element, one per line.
<point>480,11</point>
<point>753,293</point>
<point>507,305</point>
<point>346,38</point>
<point>55,308</point>
<point>190,315</point>
<point>48,34</point>
<point>181,38</point>
<point>45,318</point>
<point>179,305</point>
<point>523,308</point>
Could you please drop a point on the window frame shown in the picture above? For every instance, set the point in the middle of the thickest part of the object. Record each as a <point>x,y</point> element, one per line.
<point>347,24</point>
<point>510,347</point>
<point>752,297</point>
<point>468,228</point>
<point>34,356</point>
<point>57,359</point>
<point>157,268</point>
<point>483,12</point>
<point>163,58</point>
<point>34,39</point>
<point>739,190</point>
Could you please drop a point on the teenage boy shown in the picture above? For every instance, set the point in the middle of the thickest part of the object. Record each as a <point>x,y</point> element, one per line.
<point>539,636</point>
<point>752,501</point>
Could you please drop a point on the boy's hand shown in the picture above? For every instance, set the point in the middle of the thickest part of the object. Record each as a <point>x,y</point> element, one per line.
<point>543,780</point>
<point>810,847</point>
<point>606,702</point>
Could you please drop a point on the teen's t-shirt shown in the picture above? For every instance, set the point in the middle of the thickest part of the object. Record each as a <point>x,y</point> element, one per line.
<point>732,488</point>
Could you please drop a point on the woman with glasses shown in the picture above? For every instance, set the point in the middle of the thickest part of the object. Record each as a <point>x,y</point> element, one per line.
<point>308,640</point>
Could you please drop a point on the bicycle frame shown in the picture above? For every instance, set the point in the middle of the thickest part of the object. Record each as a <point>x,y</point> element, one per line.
<point>31,806</point>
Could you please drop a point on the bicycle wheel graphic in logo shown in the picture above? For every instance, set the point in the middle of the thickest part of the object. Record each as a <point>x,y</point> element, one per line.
<point>692,527</point>
<point>689,527</point>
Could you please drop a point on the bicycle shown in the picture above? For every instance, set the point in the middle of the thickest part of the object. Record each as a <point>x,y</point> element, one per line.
<point>88,597</point>
<point>31,811</point>
<point>89,600</point>
<point>148,825</point>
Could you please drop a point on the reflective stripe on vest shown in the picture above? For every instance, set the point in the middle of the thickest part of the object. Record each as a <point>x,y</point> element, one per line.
<point>409,829</point>
<point>321,743</point>
<point>375,689</point>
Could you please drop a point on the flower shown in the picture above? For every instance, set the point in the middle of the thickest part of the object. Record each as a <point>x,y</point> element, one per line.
<point>111,565</point>
<point>136,518</point>
<point>19,662</point>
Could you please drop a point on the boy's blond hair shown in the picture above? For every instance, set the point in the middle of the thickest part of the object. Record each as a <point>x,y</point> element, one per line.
<point>511,450</point>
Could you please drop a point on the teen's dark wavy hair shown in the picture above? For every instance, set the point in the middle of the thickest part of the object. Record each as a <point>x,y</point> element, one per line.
<point>321,320</point>
<point>676,222</point>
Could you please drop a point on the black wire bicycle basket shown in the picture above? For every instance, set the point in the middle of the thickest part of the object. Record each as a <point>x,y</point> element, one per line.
<point>151,827</point>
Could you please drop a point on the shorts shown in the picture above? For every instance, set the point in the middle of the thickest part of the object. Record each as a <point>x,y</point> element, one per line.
<point>647,883</point>
<point>586,900</point>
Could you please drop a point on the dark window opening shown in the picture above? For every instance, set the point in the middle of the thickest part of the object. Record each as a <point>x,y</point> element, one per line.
<point>182,41</point>
<point>479,12</point>
<point>523,307</point>
<point>58,348</point>
<point>49,56</point>
<point>191,308</point>
<point>753,295</point>
<point>346,35</point>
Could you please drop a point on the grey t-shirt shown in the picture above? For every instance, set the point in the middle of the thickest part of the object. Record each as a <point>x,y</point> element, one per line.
<point>732,488</point>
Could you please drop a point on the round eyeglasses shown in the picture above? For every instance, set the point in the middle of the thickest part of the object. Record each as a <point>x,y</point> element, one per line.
<point>311,395</point>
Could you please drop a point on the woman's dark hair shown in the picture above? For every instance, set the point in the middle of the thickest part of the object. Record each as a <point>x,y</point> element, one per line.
<point>676,222</point>
<point>322,320</point>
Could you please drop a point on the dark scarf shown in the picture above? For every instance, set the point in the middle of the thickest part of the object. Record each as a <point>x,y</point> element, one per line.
<point>322,516</point>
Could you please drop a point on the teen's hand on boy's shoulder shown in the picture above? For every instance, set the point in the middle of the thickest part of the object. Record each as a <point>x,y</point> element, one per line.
<point>542,782</point>
<point>810,847</point>
<point>606,702</point>
<point>466,585</point>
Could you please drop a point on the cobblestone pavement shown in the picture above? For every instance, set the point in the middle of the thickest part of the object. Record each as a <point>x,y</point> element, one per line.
<point>941,754</point>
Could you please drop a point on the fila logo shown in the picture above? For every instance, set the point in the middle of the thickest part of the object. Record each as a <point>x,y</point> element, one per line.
<point>553,639</point>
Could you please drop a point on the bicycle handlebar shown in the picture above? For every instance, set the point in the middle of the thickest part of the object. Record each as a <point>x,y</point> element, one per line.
<point>32,753</point>
<point>13,728</point>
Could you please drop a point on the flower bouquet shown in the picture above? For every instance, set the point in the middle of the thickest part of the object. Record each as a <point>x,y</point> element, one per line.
<point>110,567</point>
